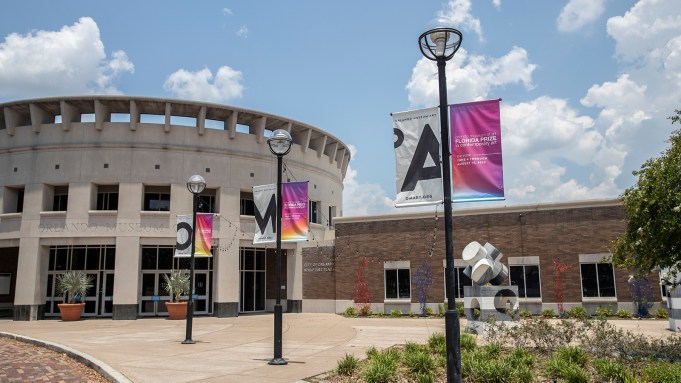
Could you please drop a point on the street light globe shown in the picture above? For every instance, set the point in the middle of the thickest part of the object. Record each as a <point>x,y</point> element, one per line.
<point>280,142</point>
<point>440,43</point>
<point>196,184</point>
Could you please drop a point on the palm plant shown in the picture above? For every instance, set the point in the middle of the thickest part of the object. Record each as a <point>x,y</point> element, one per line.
<point>176,283</point>
<point>73,283</point>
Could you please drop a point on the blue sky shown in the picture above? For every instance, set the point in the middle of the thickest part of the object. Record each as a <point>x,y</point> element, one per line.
<point>586,85</point>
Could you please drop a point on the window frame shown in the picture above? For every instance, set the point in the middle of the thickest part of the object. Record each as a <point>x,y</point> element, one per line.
<point>524,273</point>
<point>398,271</point>
<point>598,281</point>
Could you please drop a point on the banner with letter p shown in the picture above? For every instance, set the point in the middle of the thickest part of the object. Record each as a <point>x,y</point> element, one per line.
<point>417,151</point>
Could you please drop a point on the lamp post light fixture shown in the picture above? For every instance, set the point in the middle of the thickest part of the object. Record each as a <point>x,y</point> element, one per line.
<point>280,144</point>
<point>439,45</point>
<point>195,184</point>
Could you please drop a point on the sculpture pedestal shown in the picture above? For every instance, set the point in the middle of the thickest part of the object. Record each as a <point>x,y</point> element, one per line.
<point>491,301</point>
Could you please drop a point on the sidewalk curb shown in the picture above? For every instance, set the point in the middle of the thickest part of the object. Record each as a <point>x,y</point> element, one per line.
<point>102,368</point>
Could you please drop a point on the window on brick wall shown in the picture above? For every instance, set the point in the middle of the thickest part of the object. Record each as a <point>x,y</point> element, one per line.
<point>397,284</point>
<point>526,277</point>
<point>598,280</point>
<point>460,280</point>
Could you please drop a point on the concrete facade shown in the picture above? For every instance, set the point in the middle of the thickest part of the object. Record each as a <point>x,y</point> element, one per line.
<point>61,159</point>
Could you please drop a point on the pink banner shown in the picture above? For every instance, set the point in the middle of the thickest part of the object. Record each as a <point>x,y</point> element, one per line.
<point>294,213</point>
<point>477,168</point>
<point>204,235</point>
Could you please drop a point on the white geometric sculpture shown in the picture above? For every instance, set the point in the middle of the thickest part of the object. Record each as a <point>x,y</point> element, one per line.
<point>484,264</point>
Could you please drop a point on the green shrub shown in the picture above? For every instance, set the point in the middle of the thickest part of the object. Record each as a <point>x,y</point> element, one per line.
<point>476,313</point>
<point>525,314</point>
<point>574,355</point>
<point>479,367</point>
<point>379,372</point>
<point>604,312</point>
<point>351,311</point>
<point>609,370</point>
<point>395,313</point>
<point>625,314</point>
<point>570,372</point>
<point>492,350</point>
<point>372,352</point>
<point>662,372</point>
<point>441,309</point>
<point>347,365</point>
<point>411,347</point>
<point>437,343</point>
<point>423,378</point>
<point>413,314</point>
<point>429,312</point>
<point>419,362</point>
<point>521,357</point>
<point>548,313</point>
<point>662,314</point>
<point>468,342</point>
<point>578,312</point>
<point>460,309</point>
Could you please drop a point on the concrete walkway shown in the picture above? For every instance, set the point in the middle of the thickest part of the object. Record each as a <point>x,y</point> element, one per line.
<point>238,349</point>
<point>226,349</point>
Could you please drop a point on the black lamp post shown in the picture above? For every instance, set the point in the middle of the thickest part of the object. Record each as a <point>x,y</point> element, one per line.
<point>280,145</point>
<point>439,45</point>
<point>195,184</point>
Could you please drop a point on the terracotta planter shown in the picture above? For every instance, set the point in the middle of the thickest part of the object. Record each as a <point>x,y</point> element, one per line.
<point>71,311</point>
<point>176,310</point>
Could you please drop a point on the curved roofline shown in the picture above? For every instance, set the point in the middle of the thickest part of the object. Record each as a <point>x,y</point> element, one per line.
<point>44,110</point>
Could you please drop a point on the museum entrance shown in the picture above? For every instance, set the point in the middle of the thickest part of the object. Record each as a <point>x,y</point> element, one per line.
<point>9,258</point>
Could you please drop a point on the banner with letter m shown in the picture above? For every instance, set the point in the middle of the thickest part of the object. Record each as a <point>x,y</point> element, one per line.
<point>265,200</point>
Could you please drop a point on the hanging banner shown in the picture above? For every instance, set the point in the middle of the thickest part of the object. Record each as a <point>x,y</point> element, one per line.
<point>294,214</point>
<point>265,200</point>
<point>203,237</point>
<point>417,151</point>
<point>477,169</point>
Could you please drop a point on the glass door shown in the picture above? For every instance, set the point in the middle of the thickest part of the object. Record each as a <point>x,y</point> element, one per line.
<point>252,265</point>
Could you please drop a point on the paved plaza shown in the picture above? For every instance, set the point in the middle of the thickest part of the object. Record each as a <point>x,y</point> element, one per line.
<point>234,349</point>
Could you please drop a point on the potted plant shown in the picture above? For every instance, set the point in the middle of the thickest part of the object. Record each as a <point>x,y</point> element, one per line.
<point>73,285</point>
<point>176,284</point>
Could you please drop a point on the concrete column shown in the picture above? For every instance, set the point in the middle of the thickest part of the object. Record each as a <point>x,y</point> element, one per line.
<point>226,262</point>
<point>126,278</point>
<point>294,277</point>
<point>79,200</point>
<point>29,300</point>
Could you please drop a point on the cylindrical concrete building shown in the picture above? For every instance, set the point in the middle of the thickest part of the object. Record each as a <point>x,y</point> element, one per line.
<point>95,183</point>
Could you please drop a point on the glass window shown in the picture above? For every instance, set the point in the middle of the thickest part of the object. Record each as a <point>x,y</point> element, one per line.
<point>157,198</point>
<point>107,197</point>
<point>397,284</point>
<point>527,279</point>
<point>207,201</point>
<point>598,280</point>
<point>313,215</point>
<point>247,206</point>
<point>460,281</point>
<point>61,198</point>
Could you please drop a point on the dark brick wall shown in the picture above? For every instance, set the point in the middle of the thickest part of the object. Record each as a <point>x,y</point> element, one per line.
<point>270,267</point>
<point>560,234</point>
<point>319,277</point>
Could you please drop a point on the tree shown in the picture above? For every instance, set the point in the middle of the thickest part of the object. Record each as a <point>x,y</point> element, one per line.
<point>653,207</point>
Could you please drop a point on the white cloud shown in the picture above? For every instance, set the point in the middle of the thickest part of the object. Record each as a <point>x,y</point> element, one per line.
<point>458,15</point>
<point>497,3</point>
<point>578,13</point>
<point>65,62</point>
<point>365,198</point>
<point>646,28</point>
<point>242,32</point>
<point>201,85</point>
<point>227,11</point>
<point>469,77</point>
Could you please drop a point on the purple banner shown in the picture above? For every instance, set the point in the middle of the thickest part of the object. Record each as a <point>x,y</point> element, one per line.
<point>294,213</point>
<point>477,169</point>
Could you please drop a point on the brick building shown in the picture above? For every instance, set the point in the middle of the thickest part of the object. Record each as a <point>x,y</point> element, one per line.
<point>531,237</point>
